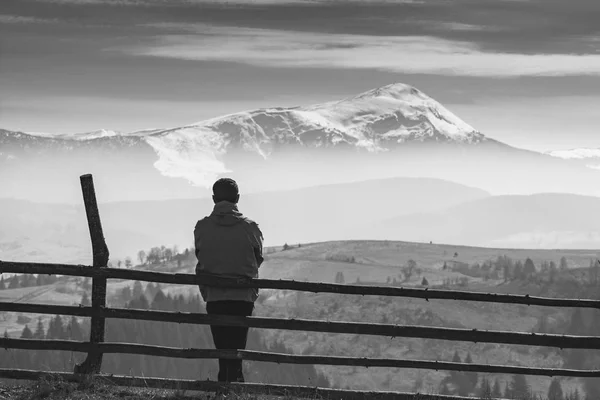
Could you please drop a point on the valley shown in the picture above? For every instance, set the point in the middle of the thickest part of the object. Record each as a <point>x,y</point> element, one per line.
<point>382,263</point>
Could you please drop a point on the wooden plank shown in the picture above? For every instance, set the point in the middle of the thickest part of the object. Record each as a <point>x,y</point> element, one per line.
<point>237,388</point>
<point>250,355</point>
<point>412,331</point>
<point>93,362</point>
<point>317,287</point>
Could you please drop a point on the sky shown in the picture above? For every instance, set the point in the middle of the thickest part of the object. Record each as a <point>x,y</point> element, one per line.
<point>525,72</point>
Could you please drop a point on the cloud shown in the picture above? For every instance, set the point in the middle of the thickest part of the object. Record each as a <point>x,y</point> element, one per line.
<point>402,54</point>
<point>18,19</point>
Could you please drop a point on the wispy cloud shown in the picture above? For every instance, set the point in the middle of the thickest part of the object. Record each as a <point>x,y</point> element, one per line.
<point>404,54</point>
<point>18,19</point>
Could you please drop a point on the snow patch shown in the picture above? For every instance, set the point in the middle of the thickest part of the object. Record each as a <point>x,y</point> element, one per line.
<point>575,154</point>
<point>190,153</point>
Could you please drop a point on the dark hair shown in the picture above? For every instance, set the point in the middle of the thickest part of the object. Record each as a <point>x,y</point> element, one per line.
<point>225,189</point>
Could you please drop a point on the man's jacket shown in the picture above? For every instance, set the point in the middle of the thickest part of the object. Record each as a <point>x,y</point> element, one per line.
<point>227,243</point>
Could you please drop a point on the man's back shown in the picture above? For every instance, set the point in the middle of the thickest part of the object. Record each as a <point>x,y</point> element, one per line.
<point>227,243</point>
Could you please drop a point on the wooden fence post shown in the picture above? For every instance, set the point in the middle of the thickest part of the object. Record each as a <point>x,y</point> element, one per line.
<point>93,362</point>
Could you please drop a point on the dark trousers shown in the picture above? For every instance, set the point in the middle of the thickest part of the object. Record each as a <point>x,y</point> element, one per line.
<point>230,337</point>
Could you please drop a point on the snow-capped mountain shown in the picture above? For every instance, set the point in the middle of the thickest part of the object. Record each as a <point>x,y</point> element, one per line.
<point>394,130</point>
<point>589,157</point>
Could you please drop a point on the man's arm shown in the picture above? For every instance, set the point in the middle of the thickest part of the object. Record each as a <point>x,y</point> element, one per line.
<point>258,246</point>
<point>197,243</point>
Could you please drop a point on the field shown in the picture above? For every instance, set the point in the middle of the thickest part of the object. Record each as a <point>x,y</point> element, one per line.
<point>381,263</point>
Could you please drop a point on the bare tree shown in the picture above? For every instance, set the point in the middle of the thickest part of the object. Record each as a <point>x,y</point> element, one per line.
<point>141,256</point>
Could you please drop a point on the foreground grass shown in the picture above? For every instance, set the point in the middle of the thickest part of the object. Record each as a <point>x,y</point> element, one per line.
<point>57,389</point>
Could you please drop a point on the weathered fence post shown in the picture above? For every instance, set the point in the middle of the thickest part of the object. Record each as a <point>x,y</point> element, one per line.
<point>93,362</point>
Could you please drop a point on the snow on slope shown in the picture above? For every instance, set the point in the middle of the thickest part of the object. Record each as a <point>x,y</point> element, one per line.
<point>576,154</point>
<point>591,157</point>
<point>374,121</point>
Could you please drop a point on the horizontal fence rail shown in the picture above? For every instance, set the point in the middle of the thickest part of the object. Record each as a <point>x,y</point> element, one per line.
<point>206,279</point>
<point>250,355</point>
<point>358,328</point>
<point>238,388</point>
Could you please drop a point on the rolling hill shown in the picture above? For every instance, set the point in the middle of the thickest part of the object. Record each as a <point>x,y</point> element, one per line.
<point>549,220</point>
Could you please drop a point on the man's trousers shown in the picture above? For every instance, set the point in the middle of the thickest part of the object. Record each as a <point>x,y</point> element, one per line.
<point>230,337</point>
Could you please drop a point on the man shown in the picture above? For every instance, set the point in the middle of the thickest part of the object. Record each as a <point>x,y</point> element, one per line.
<point>227,243</point>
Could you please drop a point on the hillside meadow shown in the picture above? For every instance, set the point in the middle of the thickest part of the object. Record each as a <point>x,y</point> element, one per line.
<point>383,263</point>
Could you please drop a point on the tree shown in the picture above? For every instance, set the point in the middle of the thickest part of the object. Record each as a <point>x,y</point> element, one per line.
<point>86,285</point>
<point>74,330</point>
<point>141,255</point>
<point>553,270</point>
<point>576,326</point>
<point>409,270</point>
<point>128,262</point>
<point>285,246</point>
<point>555,390</point>
<point>26,334</point>
<point>2,284</point>
<point>13,282</point>
<point>138,289</point>
<point>529,268</point>
<point>519,387</point>
<point>485,391</point>
<point>168,254</point>
<point>424,282</point>
<point>563,264</point>
<point>455,359</point>
<point>471,375</point>
<point>119,262</point>
<point>496,390</point>
<point>125,295</point>
<point>39,330</point>
<point>85,300</point>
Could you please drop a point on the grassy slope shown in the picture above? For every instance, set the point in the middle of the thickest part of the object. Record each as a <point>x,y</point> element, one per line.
<point>374,262</point>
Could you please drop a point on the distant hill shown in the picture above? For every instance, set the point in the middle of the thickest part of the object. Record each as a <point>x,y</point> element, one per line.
<point>59,232</point>
<point>535,221</point>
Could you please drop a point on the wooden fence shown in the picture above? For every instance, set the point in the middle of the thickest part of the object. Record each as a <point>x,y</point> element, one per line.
<point>96,346</point>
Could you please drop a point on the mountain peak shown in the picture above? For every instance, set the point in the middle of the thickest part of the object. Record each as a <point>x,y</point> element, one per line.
<point>398,91</point>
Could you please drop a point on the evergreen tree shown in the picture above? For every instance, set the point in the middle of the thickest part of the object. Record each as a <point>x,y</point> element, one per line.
<point>555,390</point>
<point>553,271</point>
<point>74,331</point>
<point>455,359</point>
<point>563,263</point>
<point>26,334</point>
<point>508,391</point>
<point>2,284</point>
<point>138,289</point>
<point>496,390</point>
<point>529,268</point>
<point>39,330</point>
<point>85,300</point>
<point>519,387</point>
<point>13,282</point>
<point>485,391</point>
<point>424,282</point>
<point>56,329</point>
<point>471,375</point>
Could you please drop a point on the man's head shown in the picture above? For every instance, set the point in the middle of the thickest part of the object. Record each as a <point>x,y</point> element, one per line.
<point>225,189</point>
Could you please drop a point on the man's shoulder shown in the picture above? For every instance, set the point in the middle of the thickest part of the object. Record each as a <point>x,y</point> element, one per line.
<point>201,222</point>
<point>253,225</point>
